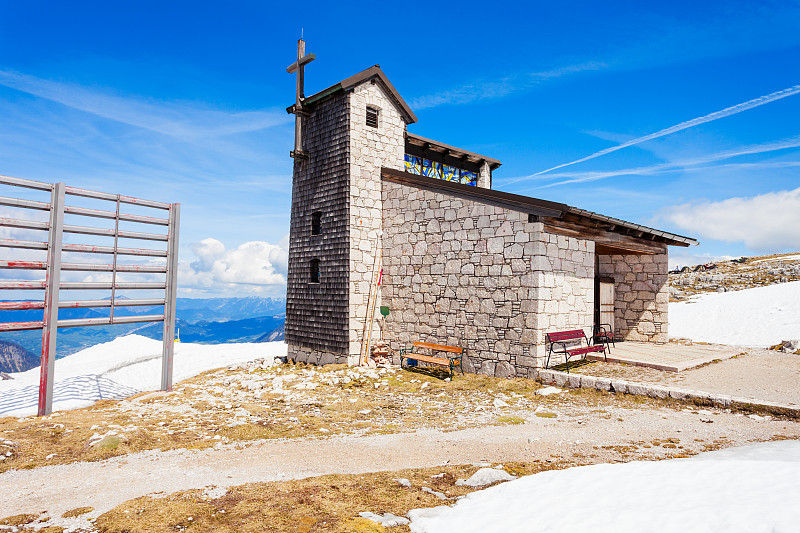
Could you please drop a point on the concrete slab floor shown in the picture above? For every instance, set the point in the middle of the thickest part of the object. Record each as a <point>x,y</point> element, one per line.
<point>669,357</point>
<point>750,373</point>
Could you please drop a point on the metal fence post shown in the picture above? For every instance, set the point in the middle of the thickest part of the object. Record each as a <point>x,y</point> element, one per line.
<point>170,300</point>
<point>52,283</point>
<point>57,208</point>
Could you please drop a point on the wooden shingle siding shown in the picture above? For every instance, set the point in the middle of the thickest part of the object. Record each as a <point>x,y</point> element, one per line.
<point>317,314</point>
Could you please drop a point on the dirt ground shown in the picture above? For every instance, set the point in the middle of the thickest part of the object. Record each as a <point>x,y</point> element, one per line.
<point>391,421</point>
<point>757,373</point>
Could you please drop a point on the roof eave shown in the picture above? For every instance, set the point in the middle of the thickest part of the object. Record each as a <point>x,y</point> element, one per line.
<point>357,79</point>
<point>493,163</point>
<point>376,72</point>
<point>677,240</point>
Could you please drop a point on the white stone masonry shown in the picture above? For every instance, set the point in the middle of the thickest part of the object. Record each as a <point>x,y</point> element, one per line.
<point>370,149</point>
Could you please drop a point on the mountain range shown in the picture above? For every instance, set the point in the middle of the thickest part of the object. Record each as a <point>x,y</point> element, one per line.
<point>199,320</point>
<point>15,358</point>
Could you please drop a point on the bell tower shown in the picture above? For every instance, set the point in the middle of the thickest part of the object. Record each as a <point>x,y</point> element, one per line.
<point>343,136</point>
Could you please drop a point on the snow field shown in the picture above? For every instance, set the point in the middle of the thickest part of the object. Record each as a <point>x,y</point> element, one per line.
<point>120,368</point>
<point>760,317</point>
<point>793,257</point>
<point>751,489</point>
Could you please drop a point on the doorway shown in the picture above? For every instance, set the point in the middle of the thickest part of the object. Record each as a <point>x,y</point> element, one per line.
<point>604,301</point>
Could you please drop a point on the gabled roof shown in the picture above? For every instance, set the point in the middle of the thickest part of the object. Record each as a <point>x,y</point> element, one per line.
<point>372,73</point>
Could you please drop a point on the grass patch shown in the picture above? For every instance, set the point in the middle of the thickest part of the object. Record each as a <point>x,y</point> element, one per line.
<point>510,420</point>
<point>18,519</point>
<point>327,503</point>
<point>77,512</point>
<point>562,367</point>
<point>546,415</point>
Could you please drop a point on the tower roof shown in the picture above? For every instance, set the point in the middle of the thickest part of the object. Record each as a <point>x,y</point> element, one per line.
<point>372,73</point>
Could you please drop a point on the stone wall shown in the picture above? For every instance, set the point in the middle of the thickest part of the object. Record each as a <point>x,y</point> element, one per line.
<point>485,176</point>
<point>641,295</point>
<point>564,299</point>
<point>317,313</point>
<point>370,149</point>
<point>459,271</point>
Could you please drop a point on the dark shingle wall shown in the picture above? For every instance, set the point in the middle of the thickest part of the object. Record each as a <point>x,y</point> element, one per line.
<point>317,314</point>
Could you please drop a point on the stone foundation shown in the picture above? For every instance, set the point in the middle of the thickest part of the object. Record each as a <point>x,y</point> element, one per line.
<point>301,354</point>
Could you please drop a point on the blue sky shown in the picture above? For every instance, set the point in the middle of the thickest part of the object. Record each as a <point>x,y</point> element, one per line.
<point>184,102</point>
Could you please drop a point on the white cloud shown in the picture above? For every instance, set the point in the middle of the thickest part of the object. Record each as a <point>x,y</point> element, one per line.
<point>259,265</point>
<point>765,223</point>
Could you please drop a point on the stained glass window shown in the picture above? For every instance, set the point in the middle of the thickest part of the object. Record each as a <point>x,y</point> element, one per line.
<point>431,169</point>
<point>450,173</point>
<point>469,177</point>
<point>413,164</point>
<point>434,169</point>
<point>437,170</point>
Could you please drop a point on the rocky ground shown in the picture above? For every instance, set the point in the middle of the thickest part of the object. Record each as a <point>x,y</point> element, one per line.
<point>734,275</point>
<point>218,453</point>
<point>258,447</point>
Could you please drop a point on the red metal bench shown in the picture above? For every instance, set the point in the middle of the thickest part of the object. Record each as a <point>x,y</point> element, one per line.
<point>576,338</point>
<point>604,334</point>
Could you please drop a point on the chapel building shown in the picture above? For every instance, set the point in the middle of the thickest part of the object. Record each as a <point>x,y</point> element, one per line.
<point>463,264</point>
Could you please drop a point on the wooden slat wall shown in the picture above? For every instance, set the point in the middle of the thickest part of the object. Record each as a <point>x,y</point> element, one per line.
<point>317,314</point>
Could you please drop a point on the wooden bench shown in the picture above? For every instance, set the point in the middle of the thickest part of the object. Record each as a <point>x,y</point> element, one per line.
<point>558,344</point>
<point>450,361</point>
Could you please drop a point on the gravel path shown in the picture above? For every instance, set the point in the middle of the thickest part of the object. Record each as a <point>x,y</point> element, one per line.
<point>627,434</point>
<point>759,374</point>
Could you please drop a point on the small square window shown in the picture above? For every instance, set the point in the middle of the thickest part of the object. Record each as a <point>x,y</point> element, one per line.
<point>372,117</point>
<point>316,223</point>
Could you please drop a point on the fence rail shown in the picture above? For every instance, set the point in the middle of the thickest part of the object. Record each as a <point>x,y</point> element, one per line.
<point>53,267</point>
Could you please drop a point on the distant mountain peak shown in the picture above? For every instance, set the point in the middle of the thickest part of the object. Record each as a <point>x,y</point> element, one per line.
<point>15,358</point>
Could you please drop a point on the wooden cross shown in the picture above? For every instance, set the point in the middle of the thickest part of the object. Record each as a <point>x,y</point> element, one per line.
<point>302,60</point>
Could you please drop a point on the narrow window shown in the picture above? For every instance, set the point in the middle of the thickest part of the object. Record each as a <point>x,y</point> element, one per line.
<point>372,117</point>
<point>314,271</point>
<point>316,223</point>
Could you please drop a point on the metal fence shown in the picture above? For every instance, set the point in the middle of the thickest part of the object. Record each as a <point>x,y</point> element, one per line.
<point>55,228</point>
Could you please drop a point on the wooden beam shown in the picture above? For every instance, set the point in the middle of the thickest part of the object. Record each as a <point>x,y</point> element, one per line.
<point>602,249</point>
<point>601,237</point>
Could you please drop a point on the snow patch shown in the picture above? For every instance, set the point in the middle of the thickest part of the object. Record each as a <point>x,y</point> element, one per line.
<point>761,316</point>
<point>386,520</point>
<point>781,258</point>
<point>730,490</point>
<point>125,366</point>
<point>547,391</point>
